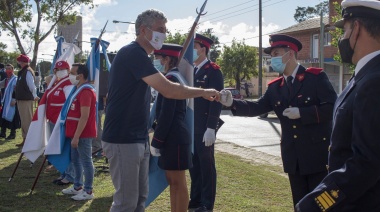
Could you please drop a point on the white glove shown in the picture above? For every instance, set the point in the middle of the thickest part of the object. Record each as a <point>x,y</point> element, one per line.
<point>292,113</point>
<point>226,98</point>
<point>209,137</point>
<point>154,151</point>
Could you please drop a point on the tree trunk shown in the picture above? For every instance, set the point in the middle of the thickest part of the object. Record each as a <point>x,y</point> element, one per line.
<point>237,79</point>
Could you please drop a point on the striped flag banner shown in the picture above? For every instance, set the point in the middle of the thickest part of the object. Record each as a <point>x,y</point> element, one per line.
<point>58,52</point>
<point>93,61</point>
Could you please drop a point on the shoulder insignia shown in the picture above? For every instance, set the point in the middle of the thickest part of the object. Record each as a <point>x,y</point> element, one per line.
<point>300,77</point>
<point>168,76</point>
<point>314,70</point>
<point>275,80</point>
<point>214,65</point>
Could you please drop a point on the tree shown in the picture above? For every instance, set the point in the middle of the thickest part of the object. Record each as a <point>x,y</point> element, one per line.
<point>16,19</point>
<point>238,62</point>
<point>7,57</point>
<point>305,13</point>
<point>214,50</point>
<point>338,33</point>
<point>177,38</point>
<point>45,68</point>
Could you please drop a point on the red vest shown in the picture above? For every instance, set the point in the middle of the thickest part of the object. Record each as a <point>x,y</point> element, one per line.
<point>55,99</point>
<point>73,116</point>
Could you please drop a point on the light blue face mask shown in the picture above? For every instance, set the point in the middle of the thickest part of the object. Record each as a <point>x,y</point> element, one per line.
<point>277,64</point>
<point>195,55</point>
<point>157,64</point>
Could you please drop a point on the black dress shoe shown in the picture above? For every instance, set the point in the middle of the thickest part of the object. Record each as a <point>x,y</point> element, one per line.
<point>202,209</point>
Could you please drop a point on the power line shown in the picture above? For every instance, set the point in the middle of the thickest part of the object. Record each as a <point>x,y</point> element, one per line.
<point>228,8</point>
<point>246,11</point>
<point>236,11</point>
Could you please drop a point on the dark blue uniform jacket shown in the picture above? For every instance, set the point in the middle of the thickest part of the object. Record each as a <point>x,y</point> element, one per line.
<point>353,183</point>
<point>304,141</point>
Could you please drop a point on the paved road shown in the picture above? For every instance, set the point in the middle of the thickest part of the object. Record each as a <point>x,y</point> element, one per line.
<point>252,132</point>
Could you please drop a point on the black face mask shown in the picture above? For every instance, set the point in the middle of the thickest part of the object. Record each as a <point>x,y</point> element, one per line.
<point>345,50</point>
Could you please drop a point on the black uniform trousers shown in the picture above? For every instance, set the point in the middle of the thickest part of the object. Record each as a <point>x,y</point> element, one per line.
<point>203,175</point>
<point>304,184</point>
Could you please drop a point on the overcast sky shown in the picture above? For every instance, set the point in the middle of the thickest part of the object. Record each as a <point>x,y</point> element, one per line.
<point>237,19</point>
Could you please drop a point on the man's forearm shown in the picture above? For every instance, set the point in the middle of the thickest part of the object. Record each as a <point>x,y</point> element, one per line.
<point>178,91</point>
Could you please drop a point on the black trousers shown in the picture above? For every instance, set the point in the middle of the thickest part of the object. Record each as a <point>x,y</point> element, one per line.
<point>304,184</point>
<point>203,175</point>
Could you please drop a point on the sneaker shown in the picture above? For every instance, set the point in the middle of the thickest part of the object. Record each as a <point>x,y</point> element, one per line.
<point>72,190</point>
<point>83,196</point>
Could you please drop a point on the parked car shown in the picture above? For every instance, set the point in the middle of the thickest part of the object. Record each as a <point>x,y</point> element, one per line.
<point>235,93</point>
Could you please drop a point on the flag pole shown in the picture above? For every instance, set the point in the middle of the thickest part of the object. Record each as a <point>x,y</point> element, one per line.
<point>18,163</point>
<point>37,176</point>
<point>191,33</point>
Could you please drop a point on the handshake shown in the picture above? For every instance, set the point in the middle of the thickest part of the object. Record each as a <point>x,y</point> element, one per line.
<point>226,98</point>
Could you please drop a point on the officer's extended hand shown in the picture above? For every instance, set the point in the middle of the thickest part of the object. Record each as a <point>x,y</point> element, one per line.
<point>211,94</point>
<point>292,113</point>
<point>209,137</point>
<point>154,151</point>
<point>226,98</point>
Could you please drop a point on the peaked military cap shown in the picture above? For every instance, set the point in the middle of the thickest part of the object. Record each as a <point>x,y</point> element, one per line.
<point>203,40</point>
<point>169,49</point>
<point>283,41</point>
<point>356,9</point>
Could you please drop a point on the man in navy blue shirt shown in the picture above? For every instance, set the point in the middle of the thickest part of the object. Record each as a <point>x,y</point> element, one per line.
<point>125,135</point>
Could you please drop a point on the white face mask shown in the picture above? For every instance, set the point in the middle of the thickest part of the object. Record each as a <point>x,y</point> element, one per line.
<point>158,39</point>
<point>73,79</point>
<point>61,73</point>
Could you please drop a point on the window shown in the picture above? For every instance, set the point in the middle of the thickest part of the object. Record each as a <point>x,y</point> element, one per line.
<point>327,39</point>
<point>315,42</point>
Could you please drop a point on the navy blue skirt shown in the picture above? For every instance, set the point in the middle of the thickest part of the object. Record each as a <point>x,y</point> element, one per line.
<point>175,157</point>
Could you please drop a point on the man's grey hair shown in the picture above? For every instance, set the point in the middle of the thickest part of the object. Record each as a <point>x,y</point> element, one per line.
<point>148,18</point>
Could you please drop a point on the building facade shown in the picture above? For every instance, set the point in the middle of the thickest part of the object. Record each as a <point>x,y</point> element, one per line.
<point>73,32</point>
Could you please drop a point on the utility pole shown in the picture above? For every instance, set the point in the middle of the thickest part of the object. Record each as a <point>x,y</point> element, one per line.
<point>260,52</point>
<point>321,42</point>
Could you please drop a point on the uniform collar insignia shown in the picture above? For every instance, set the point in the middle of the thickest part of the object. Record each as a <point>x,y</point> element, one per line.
<point>300,77</point>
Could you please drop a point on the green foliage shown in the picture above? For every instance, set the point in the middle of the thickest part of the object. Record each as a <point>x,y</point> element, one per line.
<point>45,68</point>
<point>305,13</point>
<point>16,14</point>
<point>338,33</point>
<point>177,38</point>
<point>215,48</point>
<point>7,57</point>
<point>214,53</point>
<point>238,62</point>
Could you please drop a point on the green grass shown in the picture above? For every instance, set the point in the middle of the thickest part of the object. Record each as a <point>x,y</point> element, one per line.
<point>241,186</point>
